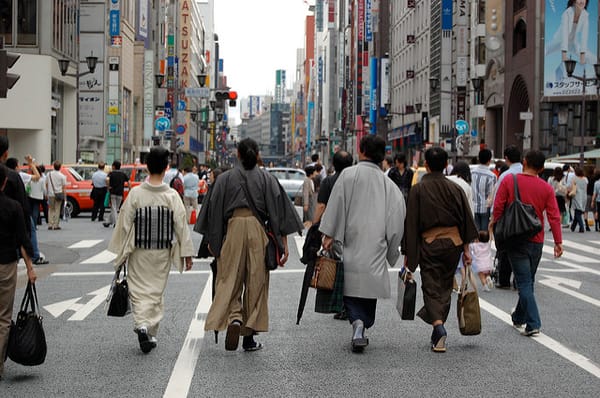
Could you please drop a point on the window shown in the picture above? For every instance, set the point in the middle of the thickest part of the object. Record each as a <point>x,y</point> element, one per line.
<point>18,19</point>
<point>126,114</point>
<point>64,36</point>
<point>520,36</point>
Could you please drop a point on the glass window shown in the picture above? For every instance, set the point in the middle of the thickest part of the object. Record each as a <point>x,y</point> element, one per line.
<point>141,174</point>
<point>6,13</point>
<point>296,175</point>
<point>279,174</point>
<point>127,171</point>
<point>27,22</point>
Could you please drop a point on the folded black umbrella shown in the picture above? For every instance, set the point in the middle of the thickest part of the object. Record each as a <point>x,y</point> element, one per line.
<point>312,245</point>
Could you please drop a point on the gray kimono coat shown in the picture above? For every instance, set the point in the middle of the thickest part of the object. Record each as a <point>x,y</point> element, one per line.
<point>366,213</point>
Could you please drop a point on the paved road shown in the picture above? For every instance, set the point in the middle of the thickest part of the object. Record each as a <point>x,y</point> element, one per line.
<point>91,355</point>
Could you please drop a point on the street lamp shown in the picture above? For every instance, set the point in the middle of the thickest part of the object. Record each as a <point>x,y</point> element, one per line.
<point>201,78</point>
<point>570,67</point>
<point>63,66</point>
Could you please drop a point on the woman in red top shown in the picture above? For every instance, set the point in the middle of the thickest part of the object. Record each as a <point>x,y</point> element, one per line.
<point>525,256</point>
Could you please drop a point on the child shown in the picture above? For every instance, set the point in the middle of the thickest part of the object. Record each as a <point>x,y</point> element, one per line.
<point>481,252</point>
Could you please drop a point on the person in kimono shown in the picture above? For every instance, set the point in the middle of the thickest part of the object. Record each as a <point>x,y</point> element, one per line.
<point>440,226</point>
<point>365,212</point>
<point>238,241</point>
<point>151,235</point>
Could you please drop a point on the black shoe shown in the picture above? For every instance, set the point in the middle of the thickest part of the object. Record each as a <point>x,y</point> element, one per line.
<point>249,344</point>
<point>359,341</point>
<point>342,316</point>
<point>438,339</point>
<point>40,261</point>
<point>503,287</point>
<point>106,224</point>
<point>145,344</point>
<point>232,337</point>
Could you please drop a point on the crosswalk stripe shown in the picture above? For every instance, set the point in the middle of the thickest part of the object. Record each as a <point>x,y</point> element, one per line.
<point>103,257</point>
<point>582,247</point>
<point>85,244</point>
<point>299,244</point>
<point>549,251</point>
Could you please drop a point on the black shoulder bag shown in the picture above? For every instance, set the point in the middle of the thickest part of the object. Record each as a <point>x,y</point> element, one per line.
<point>118,297</point>
<point>518,223</point>
<point>27,340</point>
<point>273,251</point>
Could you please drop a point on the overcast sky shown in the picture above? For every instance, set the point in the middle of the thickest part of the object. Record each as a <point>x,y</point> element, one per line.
<point>257,37</point>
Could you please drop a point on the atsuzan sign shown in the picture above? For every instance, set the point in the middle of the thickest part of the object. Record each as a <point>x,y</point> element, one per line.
<point>571,32</point>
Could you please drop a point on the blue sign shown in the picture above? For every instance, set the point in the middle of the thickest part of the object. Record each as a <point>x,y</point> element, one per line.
<point>180,129</point>
<point>162,124</point>
<point>368,21</point>
<point>114,23</point>
<point>168,134</point>
<point>446,14</point>
<point>461,126</point>
<point>473,133</point>
<point>181,105</point>
<point>168,110</point>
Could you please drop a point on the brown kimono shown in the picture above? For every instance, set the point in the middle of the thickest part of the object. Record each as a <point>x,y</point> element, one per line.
<point>438,223</point>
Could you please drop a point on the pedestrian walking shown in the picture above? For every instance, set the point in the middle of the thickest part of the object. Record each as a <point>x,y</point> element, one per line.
<point>14,189</point>
<point>151,235</point>
<point>439,227</point>
<point>308,195</point>
<point>512,158</point>
<point>578,193</point>
<point>481,260</point>
<point>190,191</point>
<point>557,182</point>
<point>524,255</point>
<point>116,187</point>
<point>592,178</point>
<point>388,163</point>
<point>365,212</point>
<point>596,200</point>
<point>238,240</point>
<point>37,196</point>
<point>55,186</point>
<point>98,195</point>
<point>483,182</point>
<point>401,174</point>
<point>14,238</point>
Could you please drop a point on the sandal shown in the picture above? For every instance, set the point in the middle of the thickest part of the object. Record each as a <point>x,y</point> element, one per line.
<point>257,346</point>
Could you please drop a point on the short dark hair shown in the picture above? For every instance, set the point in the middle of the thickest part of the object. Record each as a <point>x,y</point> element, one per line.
<point>3,144</point>
<point>389,160</point>
<point>57,165</point>
<point>341,160</point>
<point>318,167</point>
<point>309,170</point>
<point>157,160</point>
<point>579,171</point>
<point>174,165</point>
<point>101,165</point>
<point>400,158</point>
<point>373,147</point>
<point>314,157</point>
<point>116,165</point>
<point>462,169</point>
<point>485,155</point>
<point>535,159</point>
<point>436,158</point>
<point>41,168</point>
<point>12,163</point>
<point>248,151</point>
<point>484,236</point>
<point>512,153</point>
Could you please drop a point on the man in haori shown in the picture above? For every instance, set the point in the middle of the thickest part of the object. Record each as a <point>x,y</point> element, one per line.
<point>151,235</point>
<point>365,213</point>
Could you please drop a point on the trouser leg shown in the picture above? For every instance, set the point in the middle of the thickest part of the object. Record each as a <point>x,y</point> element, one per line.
<point>358,308</point>
<point>8,285</point>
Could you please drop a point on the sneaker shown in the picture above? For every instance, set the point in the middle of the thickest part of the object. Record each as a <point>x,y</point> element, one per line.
<point>519,327</point>
<point>145,344</point>
<point>342,316</point>
<point>530,333</point>
<point>40,261</point>
<point>489,282</point>
<point>106,224</point>
<point>486,288</point>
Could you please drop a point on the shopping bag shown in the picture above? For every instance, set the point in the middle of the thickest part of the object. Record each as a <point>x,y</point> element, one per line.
<point>467,308</point>
<point>107,199</point>
<point>118,296</point>
<point>407,296</point>
<point>193,217</point>
<point>325,272</point>
<point>27,340</point>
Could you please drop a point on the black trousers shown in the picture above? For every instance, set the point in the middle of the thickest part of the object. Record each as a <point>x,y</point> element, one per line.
<point>504,269</point>
<point>98,195</point>
<point>361,308</point>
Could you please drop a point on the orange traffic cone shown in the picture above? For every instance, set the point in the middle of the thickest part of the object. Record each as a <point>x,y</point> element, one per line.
<point>193,217</point>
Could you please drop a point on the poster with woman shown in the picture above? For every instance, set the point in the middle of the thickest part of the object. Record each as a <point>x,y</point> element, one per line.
<point>571,32</point>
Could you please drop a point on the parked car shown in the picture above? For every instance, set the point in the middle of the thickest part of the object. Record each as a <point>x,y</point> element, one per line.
<point>290,179</point>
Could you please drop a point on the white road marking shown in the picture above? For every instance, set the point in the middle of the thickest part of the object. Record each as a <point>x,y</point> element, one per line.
<point>104,257</point>
<point>549,251</point>
<point>193,272</point>
<point>548,342</point>
<point>578,246</point>
<point>185,366</point>
<point>81,310</point>
<point>299,244</point>
<point>578,268</point>
<point>555,283</point>
<point>85,244</point>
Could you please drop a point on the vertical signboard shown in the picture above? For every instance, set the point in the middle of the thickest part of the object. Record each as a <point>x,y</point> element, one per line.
<point>446,14</point>
<point>571,33</point>
<point>384,85</point>
<point>373,96</point>
<point>368,27</point>
<point>148,94</point>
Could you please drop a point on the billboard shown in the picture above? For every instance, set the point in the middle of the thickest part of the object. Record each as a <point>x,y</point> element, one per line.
<point>571,31</point>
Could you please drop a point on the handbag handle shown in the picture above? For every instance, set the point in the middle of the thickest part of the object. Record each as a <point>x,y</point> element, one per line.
<point>30,298</point>
<point>517,196</point>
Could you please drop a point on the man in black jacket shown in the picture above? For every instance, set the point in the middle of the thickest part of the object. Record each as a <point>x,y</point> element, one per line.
<point>401,175</point>
<point>14,185</point>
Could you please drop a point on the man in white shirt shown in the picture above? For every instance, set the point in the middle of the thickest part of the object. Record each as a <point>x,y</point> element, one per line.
<point>55,186</point>
<point>99,190</point>
<point>172,173</point>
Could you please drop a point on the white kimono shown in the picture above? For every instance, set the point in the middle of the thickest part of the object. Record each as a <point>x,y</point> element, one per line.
<point>366,213</point>
<point>148,269</point>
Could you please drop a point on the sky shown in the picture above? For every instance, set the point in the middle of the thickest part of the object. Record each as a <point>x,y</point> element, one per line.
<point>257,37</point>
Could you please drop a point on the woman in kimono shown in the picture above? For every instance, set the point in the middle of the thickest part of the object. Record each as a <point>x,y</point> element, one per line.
<point>151,235</point>
<point>238,241</point>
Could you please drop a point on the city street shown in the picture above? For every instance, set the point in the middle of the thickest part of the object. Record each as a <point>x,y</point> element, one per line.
<point>92,355</point>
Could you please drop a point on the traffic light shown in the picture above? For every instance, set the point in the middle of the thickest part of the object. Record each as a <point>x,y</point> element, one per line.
<point>232,98</point>
<point>156,140</point>
<point>7,80</point>
<point>226,95</point>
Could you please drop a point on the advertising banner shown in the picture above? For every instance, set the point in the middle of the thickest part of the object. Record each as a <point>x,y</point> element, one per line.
<point>571,31</point>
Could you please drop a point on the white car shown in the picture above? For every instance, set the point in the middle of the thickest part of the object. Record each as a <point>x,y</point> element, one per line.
<point>290,179</point>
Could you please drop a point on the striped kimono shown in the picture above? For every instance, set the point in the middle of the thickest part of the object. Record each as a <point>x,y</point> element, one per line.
<point>151,235</point>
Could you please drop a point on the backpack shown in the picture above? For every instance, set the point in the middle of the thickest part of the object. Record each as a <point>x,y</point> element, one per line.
<point>177,185</point>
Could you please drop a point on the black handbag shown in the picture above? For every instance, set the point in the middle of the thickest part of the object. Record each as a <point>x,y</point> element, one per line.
<point>27,340</point>
<point>118,296</point>
<point>518,223</point>
<point>407,296</point>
